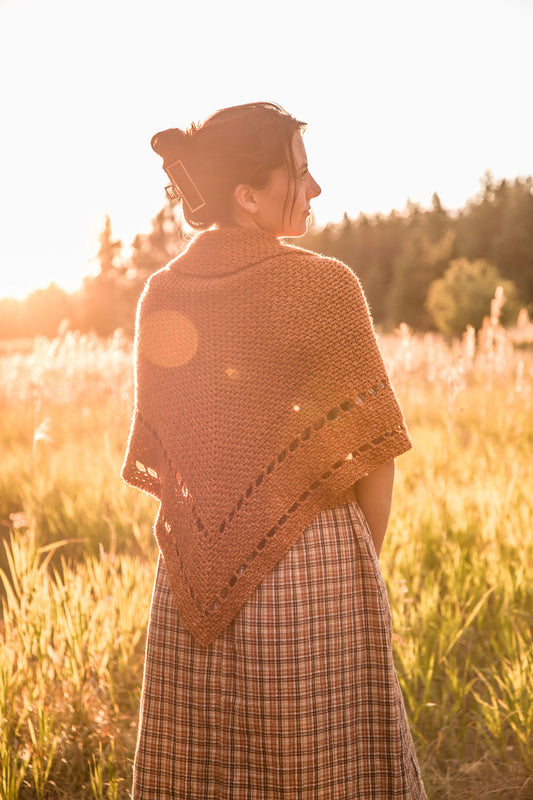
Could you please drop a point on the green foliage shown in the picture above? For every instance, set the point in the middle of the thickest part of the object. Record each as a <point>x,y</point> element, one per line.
<point>418,265</point>
<point>498,225</point>
<point>463,296</point>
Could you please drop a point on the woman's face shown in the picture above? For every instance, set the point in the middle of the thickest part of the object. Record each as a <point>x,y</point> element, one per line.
<point>278,195</point>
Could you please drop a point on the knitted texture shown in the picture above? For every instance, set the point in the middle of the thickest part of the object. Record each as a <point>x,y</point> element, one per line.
<point>261,398</point>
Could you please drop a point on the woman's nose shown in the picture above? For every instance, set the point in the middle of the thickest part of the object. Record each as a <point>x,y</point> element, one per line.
<point>314,189</point>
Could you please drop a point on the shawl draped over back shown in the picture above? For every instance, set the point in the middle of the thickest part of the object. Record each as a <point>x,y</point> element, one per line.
<point>261,398</point>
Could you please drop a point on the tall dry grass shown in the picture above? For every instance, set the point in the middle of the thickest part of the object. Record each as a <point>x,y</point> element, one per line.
<point>78,562</point>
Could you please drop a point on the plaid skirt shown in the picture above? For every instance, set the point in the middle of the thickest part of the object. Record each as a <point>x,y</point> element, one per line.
<point>297,699</point>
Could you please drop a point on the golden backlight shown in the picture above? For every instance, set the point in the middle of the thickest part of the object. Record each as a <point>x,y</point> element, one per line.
<point>402,100</point>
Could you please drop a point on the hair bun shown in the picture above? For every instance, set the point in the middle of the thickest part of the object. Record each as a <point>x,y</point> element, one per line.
<point>169,143</point>
<point>241,144</point>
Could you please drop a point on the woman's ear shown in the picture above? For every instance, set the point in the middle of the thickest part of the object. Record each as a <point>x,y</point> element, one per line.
<point>245,199</point>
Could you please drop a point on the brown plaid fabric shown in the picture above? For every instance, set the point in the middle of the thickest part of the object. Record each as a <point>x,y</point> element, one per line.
<point>296,699</point>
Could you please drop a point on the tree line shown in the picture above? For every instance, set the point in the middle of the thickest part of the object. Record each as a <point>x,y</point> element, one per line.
<point>430,268</point>
<point>434,269</point>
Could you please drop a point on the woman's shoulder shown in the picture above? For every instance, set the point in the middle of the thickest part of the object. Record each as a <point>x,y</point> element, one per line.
<point>288,262</point>
<point>156,292</point>
<point>326,266</point>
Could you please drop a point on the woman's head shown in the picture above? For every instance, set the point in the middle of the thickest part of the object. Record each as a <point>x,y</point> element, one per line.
<point>245,165</point>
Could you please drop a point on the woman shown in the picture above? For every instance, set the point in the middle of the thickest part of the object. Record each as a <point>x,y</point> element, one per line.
<point>267,428</point>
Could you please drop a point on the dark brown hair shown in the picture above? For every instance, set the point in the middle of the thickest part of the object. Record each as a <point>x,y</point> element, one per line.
<point>240,144</point>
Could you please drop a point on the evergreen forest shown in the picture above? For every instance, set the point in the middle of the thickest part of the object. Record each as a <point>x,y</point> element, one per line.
<point>430,268</point>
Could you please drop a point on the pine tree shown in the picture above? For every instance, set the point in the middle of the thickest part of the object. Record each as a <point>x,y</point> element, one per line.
<point>110,250</point>
<point>104,305</point>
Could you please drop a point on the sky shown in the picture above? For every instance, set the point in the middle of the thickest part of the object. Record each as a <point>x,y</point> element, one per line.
<point>402,98</point>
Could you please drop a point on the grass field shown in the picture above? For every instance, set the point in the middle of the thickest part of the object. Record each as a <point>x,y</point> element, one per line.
<point>78,561</point>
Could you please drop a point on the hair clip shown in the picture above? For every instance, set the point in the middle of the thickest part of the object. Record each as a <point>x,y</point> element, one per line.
<point>172,193</point>
<point>183,187</point>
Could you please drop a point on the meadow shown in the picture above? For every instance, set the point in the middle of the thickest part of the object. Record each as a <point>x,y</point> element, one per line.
<point>78,558</point>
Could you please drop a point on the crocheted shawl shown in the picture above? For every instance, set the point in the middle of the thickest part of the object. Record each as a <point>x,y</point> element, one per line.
<point>261,397</point>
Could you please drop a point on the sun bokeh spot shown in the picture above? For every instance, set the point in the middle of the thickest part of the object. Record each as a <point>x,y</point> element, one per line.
<point>170,339</point>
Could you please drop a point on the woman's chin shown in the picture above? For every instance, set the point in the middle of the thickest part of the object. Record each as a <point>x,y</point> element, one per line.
<point>296,230</point>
